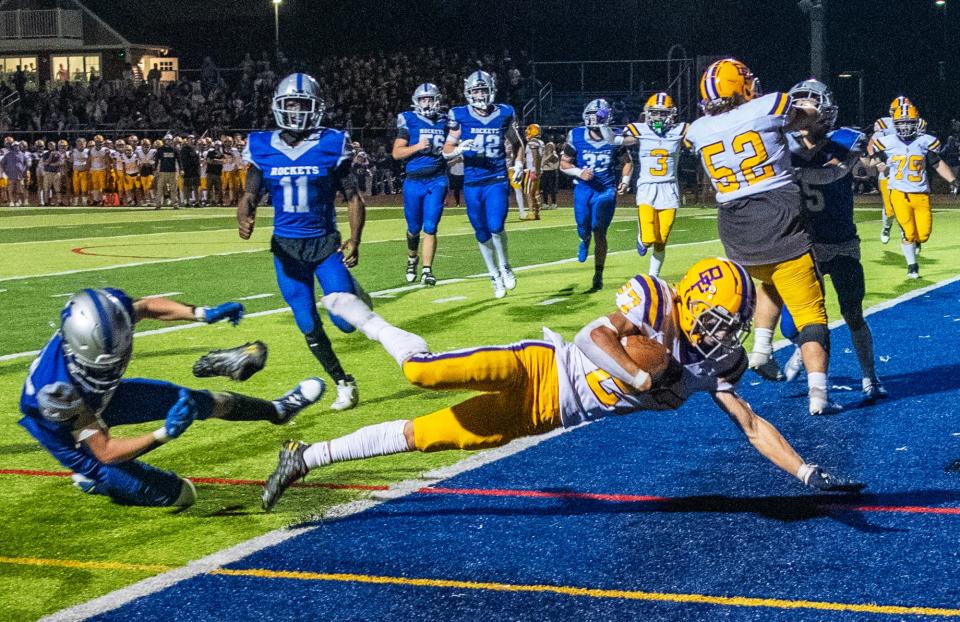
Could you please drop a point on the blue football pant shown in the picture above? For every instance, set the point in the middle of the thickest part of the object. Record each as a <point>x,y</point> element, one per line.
<point>487,208</point>
<point>295,279</point>
<point>423,204</point>
<point>593,209</point>
<point>136,400</point>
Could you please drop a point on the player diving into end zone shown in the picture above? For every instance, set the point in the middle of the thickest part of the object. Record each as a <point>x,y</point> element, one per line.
<point>532,387</point>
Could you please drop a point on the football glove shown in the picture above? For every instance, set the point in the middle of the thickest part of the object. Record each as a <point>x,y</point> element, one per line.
<point>233,311</point>
<point>181,415</point>
<point>516,173</point>
<point>819,479</point>
<point>237,363</point>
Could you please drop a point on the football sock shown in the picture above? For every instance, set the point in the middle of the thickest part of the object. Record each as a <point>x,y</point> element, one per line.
<point>863,345</point>
<point>413,243</point>
<point>381,439</point>
<point>231,406</point>
<point>322,350</point>
<point>500,245</point>
<point>656,261</point>
<point>763,340</point>
<point>883,215</point>
<point>486,251</point>
<point>817,384</point>
<point>909,252</point>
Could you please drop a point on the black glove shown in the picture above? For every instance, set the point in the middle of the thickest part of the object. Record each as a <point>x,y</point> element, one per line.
<point>819,479</point>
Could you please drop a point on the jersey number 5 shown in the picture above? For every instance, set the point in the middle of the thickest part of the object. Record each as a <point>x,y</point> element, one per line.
<point>725,177</point>
<point>303,203</point>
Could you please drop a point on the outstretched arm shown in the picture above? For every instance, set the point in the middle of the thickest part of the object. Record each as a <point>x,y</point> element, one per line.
<point>168,310</point>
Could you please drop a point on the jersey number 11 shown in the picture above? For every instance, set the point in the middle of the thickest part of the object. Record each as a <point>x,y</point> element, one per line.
<point>303,203</point>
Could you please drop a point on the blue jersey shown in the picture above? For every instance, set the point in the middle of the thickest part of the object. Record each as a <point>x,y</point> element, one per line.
<point>51,389</point>
<point>412,127</point>
<point>301,179</point>
<point>486,163</point>
<point>599,155</point>
<point>828,208</point>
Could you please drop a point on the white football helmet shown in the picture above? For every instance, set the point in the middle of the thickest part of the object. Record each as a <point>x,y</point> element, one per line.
<point>426,100</point>
<point>297,103</point>
<point>97,336</point>
<point>480,89</point>
<point>597,113</point>
<point>821,95</point>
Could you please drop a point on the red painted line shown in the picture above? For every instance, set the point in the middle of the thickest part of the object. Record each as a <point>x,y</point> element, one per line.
<point>517,493</point>
<point>83,250</point>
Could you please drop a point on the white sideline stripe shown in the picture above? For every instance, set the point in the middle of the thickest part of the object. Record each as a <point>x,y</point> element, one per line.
<point>550,301</point>
<point>383,293</point>
<point>224,254</point>
<point>164,295</point>
<point>149,586</point>
<point>255,297</point>
<point>146,587</point>
<point>440,301</point>
<point>67,295</point>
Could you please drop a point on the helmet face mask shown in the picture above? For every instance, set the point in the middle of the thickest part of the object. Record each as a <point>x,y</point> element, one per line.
<point>659,113</point>
<point>821,98</point>
<point>426,100</point>
<point>906,121</point>
<point>596,114</point>
<point>480,90</point>
<point>716,333</point>
<point>97,336</point>
<point>297,104</point>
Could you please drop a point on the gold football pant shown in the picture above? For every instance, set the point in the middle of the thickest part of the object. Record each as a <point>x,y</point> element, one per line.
<point>521,395</point>
<point>913,213</point>
<point>884,185</point>
<point>531,193</point>
<point>797,283</point>
<point>98,180</point>
<point>81,181</point>
<point>655,224</point>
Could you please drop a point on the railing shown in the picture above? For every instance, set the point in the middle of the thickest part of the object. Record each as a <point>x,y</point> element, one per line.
<point>534,105</point>
<point>45,24</point>
<point>10,100</point>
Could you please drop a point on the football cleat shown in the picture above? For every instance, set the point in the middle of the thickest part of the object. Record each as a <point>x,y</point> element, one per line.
<point>427,277</point>
<point>290,468</point>
<point>819,479</point>
<point>885,233</point>
<point>499,291</point>
<point>509,280</point>
<point>765,366</point>
<point>873,390</point>
<point>822,406</point>
<point>597,282</point>
<point>84,483</point>
<point>412,269</point>
<point>348,395</point>
<point>794,366</point>
<point>583,250</point>
<point>304,394</point>
<point>641,248</point>
<point>913,271</point>
<point>236,363</point>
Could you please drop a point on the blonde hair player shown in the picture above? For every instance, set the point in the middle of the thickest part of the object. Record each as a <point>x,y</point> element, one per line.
<point>678,342</point>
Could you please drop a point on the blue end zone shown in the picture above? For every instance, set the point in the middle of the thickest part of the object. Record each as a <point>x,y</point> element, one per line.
<point>735,526</point>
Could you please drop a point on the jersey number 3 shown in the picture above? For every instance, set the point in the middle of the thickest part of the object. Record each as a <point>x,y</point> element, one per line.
<point>302,203</point>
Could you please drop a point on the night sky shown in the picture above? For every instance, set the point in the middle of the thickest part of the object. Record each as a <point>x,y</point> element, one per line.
<point>897,43</point>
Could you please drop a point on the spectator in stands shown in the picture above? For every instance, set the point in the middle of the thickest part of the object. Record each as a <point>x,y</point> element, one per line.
<point>20,81</point>
<point>209,75</point>
<point>382,171</point>
<point>361,168</point>
<point>62,74</point>
<point>153,79</point>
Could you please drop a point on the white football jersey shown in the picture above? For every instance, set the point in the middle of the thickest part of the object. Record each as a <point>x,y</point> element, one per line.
<point>744,151</point>
<point>588,392</point>
<point>659,155</point>
<point>98,158</point>
<point>231,159</point>
<point>131,164</point>
<point>80,158</point>
<point>532,145</point>
<point>907,161</point>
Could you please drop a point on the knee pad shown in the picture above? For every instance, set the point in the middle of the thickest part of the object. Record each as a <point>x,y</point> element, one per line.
<point>815,332</point>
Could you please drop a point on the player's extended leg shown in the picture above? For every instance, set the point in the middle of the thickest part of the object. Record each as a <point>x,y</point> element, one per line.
<point>496,206</point>
<point>647,224</point>
<point>334,277</point>
<point>531,191</point>
<point>903,208</point>
<point>922,216</point>
<point>583,215</point>
<point>474,197</point>
<point>432,212</point>
<point>664,219</point>
<point>604,206</point>
<point>414,193</point>
<point>769,306</point>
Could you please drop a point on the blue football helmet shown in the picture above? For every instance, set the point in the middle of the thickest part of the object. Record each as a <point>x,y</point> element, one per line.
<point>822,96</point>
<point>97,336</point>
<point>426,100</point>
<point>297,103</point>
<point>480,89</point>
<point>597,113</point>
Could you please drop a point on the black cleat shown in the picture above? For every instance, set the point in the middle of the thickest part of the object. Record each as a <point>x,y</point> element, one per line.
<point>237,363</point>
<point>290,468</point>
<point>412,269</point>
<point>597,282</point>
<point>308,392</point>
<point>427,278</point>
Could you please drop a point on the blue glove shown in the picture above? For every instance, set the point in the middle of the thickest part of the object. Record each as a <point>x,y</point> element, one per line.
<point>233,311</point>
<point>181,415</point>
<point>603,116</point>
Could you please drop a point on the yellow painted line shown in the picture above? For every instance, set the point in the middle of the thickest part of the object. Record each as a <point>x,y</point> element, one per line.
<point>728,601</point>
<point>85,565</point>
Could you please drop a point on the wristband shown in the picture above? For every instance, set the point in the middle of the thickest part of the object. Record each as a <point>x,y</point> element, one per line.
<point>161,435</point>
<point>805,471</point>
<point>573,171</point>
<point>625,180</point>
<point>642,381</point>
<point>200,314</point>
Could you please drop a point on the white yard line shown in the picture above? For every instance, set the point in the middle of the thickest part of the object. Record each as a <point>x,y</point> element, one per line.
<point>154,584</point>
<point>255,297</point>
<point>164,295</point>
<point>551,301</point>
<point>440,301</point>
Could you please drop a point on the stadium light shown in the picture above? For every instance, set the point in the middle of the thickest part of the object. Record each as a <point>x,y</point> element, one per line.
<point>941,3</point>
<point>859,75</point>
<point>276,25</point>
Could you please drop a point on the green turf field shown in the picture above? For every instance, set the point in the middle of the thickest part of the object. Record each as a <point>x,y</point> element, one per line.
<point>195,256</point>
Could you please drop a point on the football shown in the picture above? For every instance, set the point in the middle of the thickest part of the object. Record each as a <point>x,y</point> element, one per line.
<point>652,356</point>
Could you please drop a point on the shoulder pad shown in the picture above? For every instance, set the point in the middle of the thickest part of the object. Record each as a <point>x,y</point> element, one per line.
<point>60,402</point>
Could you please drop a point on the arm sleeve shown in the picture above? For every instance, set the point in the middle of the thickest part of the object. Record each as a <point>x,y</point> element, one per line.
<point>402,130</point>
<point>346,152</point>
<point>452,123</point>
<point>247,155</point>
<point>568,149</point>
